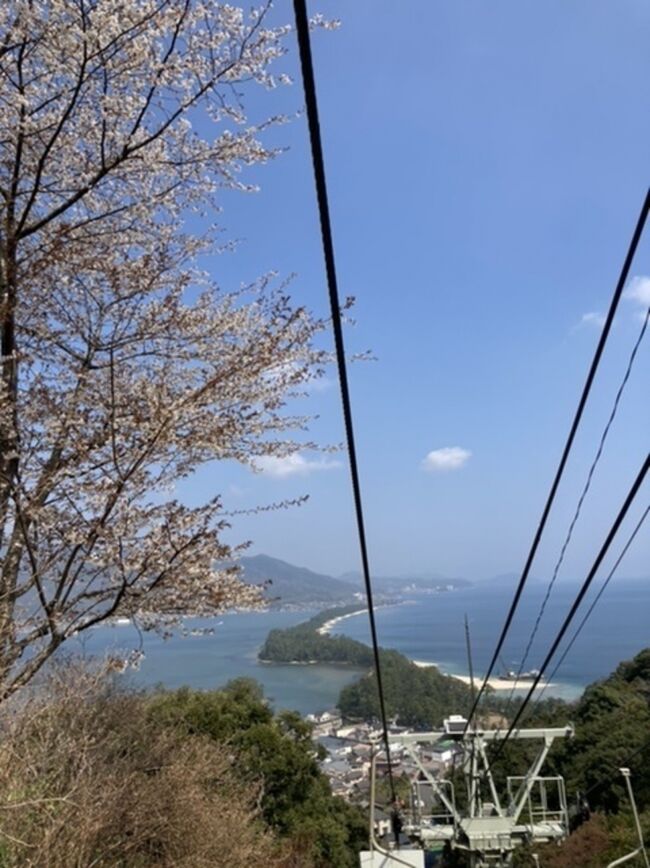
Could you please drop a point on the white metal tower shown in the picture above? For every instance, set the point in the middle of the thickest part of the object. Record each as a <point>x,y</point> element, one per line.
<point>533,808</point>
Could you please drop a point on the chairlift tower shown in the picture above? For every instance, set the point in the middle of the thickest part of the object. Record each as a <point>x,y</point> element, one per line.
<point>532,810</point>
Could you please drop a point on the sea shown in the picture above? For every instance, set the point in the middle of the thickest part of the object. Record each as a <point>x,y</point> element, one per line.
<point>424,627</point>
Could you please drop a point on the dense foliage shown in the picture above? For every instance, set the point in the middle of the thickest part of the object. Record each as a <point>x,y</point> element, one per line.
<point>612,721</point>
<point>88,777</point>
<point>595,844</point>
<point>296,800</point>
<point>414,695</point>
<point>304,644</point>
<point>91,775</point>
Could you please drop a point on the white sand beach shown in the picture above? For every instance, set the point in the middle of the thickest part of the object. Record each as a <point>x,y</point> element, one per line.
<point>326,628</point>
<point>494,683</point>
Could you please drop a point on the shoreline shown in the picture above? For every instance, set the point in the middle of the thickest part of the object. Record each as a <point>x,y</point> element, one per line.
<point>499,684</point>
<point>494,683</point>
<point>339,664</point>
<point>326,628</point>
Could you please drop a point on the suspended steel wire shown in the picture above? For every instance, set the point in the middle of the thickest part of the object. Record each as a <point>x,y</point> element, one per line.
<point>306,64</point>
<point>636,485</point>
<point>578,509</point>
<point>302,26</point>
<point>591,608</point>
<point>622,280</point>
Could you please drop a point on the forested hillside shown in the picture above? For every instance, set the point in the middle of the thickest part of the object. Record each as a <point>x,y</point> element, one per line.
<point>414,695</point>
<point>289,585</point>
<point>612,721</point>
<point>91,775</point>
<point>276,751</point>
<point>304,644</point>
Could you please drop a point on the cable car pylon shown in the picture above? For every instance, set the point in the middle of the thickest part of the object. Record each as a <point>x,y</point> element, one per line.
<point>533,810</point>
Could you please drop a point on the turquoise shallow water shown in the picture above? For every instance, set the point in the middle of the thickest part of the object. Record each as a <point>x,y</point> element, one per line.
<point>209,661</point>
<point>423,627</point>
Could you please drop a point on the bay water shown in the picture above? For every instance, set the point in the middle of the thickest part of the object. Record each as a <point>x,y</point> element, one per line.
<point>431,629</point>
<point>208,661</point>
<point>427,627</point>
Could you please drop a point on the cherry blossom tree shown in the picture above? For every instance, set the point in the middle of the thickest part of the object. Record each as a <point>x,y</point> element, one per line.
<point>124,367</point>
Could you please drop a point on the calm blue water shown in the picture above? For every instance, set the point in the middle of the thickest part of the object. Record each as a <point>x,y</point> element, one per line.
<point>431,628</point>
<point>210,661</point>
<point>424,628</point>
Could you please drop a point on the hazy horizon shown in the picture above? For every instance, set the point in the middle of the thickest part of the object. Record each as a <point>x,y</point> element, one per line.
<point>504,577</point>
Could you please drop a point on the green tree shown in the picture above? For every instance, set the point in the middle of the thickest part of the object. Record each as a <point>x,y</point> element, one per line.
<point>415,696</point>
<point>296,799</point>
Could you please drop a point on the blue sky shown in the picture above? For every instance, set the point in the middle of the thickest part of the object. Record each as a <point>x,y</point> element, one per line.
<point>486,166</point>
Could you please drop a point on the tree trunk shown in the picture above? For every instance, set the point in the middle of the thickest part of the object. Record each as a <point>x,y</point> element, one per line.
<point>9,443</point>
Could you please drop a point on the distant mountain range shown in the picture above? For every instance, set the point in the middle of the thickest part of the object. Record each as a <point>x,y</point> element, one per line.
<point>298,586</point>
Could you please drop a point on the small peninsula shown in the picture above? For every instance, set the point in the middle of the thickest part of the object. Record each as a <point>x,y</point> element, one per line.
<point>415,695</point>
<point>309,642</point>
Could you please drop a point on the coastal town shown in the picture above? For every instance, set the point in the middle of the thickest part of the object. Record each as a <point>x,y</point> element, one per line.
<point>349,746</point>
<point>349,734</point>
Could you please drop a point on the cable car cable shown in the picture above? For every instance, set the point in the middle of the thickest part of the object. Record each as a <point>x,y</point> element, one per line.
<point>638,231</point>
<point>636,485</point>
<point>591,608</point>
<point>306,64</point>
<point>578,509</point>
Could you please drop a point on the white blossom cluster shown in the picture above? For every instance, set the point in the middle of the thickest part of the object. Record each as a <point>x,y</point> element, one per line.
<point>124,368</point>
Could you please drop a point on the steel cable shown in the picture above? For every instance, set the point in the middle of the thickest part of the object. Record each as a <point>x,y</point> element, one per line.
<point>622,280</point>
<point>591,608</point>
<point>306,64</point>
<point>636,485</point>
<point>578,509</point>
